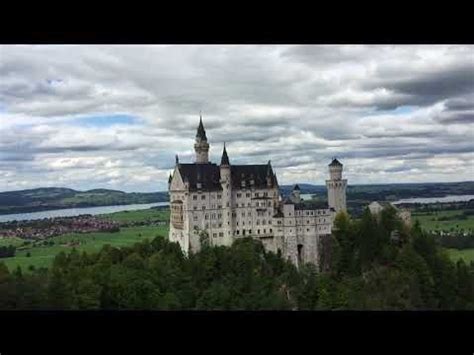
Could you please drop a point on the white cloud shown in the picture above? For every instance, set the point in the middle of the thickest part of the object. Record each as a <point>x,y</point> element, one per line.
<point>297,106</point>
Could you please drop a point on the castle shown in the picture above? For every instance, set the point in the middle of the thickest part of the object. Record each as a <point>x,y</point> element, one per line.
<point>224,202</point>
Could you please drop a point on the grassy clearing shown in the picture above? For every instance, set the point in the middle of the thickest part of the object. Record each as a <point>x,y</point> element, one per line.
<point>466,254</point>
<point>4,242</point>
<point>429,221</point>
<point>43,255</point>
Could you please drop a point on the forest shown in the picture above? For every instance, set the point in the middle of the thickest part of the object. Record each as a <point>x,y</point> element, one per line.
<point>367,264</point>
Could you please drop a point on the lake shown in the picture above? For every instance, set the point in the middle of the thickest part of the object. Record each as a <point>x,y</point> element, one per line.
<point>69,212</point>
<point>449,198</point>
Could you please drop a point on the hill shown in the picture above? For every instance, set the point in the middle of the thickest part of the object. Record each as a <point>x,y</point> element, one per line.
<point>50,198</point>
<point>390,192</point>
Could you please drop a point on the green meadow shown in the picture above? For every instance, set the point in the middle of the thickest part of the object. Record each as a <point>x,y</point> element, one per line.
<point>455,220</point>
<point>40,254</point>
<point>466,254</point>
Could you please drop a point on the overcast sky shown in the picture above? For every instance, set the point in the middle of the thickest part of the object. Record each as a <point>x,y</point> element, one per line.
<point>115,116</point>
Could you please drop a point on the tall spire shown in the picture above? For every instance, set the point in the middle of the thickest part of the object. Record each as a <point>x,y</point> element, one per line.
<point>225,157</point>
<point>177,159</point>
<point>201,132</point>
<point>269,168</point>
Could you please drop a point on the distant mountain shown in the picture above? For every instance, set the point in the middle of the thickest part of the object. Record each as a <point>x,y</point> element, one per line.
<point>390,192</point>
<point>49,198</point>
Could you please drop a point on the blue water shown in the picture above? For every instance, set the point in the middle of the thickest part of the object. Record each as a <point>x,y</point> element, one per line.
<point>449,198</point>
<point>69,212</point>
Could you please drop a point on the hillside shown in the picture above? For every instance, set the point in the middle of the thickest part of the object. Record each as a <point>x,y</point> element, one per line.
<point>391,192</point>
<point>55,198</point>
<point>357,195</point>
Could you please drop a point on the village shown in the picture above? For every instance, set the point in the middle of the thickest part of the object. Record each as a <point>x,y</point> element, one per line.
<point>52,227</point>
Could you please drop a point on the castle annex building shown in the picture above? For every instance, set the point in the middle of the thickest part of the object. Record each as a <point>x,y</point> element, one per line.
<point>224,202</point>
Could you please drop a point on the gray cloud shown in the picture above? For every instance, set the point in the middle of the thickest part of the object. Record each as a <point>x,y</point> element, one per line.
<point>297,106</point>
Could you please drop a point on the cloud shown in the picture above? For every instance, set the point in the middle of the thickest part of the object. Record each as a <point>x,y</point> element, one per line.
<point>115,116</point>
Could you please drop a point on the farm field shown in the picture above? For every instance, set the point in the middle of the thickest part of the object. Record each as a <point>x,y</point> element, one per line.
<point>456,221</point>
<point>42,255</point>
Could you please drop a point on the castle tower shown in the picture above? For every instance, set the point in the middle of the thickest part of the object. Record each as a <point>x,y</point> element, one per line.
<point>201,147</point>
<point>295,195</point>
<point>226,184</point>
<point>336,187</point>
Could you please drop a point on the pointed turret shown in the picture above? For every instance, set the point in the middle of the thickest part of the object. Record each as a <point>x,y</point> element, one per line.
<point>269,168</point>
<point>335,162</point>
<point>201,132</point>
<point>201,147</point>
<point>225,157</point>
<point>177,159</point>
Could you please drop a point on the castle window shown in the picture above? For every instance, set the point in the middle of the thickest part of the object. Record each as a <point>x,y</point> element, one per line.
<point>250,231</point>
<point>203,197</point>
<point>195,207</point>
<point>265,194</point>
<point>243,231</point>
<point>307,229</point>
<point>203,207</point>
<point>195,197</point>
<point>263,222</point>
<point>264,231</point>
<point>206,216</point>
<point>258,231</point>
<point>237,232</point>
<point>214,235</point>
<point>219,196</point>
<point>221,234</point>
<point>256,194</point>
<point>227,204</point>
<point>271,230</point>
<point>239,195</point>
<point>220,225</point>
<point>247,194</point>
<point>195,218</point>
<point>207,225</point>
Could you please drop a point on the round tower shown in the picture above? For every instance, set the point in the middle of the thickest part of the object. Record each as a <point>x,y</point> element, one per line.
<point>201,147</point>
<point>336,186</point>
<point>226,184</point>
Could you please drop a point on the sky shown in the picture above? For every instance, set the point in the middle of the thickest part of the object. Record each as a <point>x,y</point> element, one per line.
<point>114,117</point>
